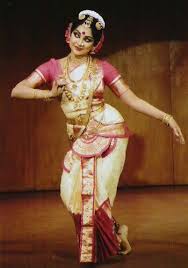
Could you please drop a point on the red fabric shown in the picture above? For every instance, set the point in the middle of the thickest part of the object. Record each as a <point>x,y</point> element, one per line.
<point>106,243</point>
<point>106,240</point>
<point>110,73</point>
<point>50,70</point>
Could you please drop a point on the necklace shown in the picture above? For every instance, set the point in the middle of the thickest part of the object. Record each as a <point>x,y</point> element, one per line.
<point>70,94</point>
<point>77,61</point>
<point>83,76</point>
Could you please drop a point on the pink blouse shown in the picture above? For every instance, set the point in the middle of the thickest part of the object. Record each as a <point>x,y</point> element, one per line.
<point>50,70</point>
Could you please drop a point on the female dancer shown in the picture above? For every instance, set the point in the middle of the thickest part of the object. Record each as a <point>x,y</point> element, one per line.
<point>97,131</point>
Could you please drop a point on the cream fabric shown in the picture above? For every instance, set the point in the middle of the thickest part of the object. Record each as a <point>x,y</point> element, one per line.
<point>108,172</point>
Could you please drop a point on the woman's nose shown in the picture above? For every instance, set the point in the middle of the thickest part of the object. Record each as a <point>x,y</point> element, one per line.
<point>81,42</point>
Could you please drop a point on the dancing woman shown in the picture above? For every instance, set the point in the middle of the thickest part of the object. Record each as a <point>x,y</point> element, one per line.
<point>97,132</point>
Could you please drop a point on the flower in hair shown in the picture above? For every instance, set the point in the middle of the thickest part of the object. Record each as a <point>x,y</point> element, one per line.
<point>100,24</point>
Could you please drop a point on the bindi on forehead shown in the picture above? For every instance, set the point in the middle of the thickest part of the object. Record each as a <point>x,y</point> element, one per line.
<point>84,30</point>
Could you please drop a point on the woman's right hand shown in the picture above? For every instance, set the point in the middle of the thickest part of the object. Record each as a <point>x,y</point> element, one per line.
<point>176,131</point>
<point>58,86</point>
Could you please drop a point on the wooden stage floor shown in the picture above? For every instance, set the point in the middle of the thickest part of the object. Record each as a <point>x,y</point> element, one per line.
<point>36,231</point>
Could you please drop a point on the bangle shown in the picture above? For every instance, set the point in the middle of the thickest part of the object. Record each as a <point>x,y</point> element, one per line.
<point>166,118</point>
<point>47,98</point>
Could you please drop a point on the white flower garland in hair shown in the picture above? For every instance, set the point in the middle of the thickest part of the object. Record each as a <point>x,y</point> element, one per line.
<point>94,15</point>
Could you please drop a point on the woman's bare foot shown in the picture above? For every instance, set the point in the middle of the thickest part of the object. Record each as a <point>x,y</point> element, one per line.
<point>125,246</point>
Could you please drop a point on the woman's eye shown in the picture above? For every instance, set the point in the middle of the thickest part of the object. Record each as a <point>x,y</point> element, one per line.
<point>76,35</point>
<point>88,40</point>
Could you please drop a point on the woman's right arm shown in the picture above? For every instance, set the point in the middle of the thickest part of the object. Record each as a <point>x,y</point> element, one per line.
<point>27,88</point>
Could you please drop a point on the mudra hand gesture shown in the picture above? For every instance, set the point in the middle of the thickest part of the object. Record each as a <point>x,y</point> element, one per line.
<point>58,86</point>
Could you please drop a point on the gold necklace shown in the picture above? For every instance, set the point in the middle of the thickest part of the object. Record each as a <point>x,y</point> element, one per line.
<point>68,74</point>
<point>77,61</point>
<point>69,93</point>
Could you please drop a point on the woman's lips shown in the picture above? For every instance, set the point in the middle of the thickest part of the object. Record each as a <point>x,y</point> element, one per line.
<point>78,48</point>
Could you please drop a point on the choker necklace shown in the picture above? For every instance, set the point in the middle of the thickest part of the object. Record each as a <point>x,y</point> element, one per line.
<point>77,61</point>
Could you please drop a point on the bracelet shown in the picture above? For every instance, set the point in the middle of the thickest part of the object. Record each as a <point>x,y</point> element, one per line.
<point>46,98</point>
<point>166,119</point>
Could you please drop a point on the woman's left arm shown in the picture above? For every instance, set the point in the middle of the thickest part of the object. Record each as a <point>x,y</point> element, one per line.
<point>140,105</point>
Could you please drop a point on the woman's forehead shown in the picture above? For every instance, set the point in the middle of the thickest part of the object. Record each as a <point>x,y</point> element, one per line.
<point>84,30</point>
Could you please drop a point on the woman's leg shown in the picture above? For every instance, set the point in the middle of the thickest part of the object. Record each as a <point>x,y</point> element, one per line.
<point>124,243</point>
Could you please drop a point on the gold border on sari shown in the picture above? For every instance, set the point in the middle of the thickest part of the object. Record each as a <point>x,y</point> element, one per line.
<point>87,240</point>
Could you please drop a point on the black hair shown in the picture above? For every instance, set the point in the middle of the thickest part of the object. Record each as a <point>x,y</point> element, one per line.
<point>96,33</point>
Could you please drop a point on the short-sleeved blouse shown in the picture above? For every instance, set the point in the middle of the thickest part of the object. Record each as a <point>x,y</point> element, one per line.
<point>52,68</point>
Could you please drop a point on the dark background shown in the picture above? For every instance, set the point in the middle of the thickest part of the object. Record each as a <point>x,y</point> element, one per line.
<point>133,21</point>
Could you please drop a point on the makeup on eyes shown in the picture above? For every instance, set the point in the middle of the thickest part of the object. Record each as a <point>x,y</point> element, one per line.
<point>77,34</point>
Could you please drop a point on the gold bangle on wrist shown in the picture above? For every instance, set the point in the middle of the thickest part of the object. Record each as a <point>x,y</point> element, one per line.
<point>166,119</point>
<point>47,98</point>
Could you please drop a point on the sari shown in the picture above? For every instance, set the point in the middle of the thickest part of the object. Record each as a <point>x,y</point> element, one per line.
<point>92,167</point>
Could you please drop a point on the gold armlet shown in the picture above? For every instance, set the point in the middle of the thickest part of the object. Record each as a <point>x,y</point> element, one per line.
<point>166,119</point>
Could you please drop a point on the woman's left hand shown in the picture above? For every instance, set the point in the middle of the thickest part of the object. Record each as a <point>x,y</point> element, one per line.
<point>176,131</point>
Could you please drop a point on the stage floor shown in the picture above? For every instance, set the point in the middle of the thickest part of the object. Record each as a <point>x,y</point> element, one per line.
<point>36,231</point>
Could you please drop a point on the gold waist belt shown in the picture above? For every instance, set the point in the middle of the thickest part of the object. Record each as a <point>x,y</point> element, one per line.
<point>83,119</point>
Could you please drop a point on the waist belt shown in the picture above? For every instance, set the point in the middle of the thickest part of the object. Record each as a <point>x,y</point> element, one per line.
<point>82,119</point>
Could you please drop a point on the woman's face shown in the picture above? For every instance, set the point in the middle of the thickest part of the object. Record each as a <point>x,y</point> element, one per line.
<point>81,41</point>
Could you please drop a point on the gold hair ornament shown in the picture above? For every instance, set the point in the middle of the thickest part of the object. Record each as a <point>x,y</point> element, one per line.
<point>88,21</point>
<point>100,24</point>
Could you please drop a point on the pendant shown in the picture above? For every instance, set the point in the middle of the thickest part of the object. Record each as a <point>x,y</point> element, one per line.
<point>77,105</point>
<point>74,86</point>
<point>84,86</point>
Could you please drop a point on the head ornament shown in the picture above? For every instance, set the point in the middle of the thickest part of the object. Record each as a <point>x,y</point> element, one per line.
<point>100,24</point>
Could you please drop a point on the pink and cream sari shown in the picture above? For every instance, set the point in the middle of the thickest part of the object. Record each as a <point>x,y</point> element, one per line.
<point>93,165</point>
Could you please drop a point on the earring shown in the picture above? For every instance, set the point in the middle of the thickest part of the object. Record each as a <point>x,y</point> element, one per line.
<point>92,51</point>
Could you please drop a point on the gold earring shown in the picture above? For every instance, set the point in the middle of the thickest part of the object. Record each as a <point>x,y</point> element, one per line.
<point>92,51</point>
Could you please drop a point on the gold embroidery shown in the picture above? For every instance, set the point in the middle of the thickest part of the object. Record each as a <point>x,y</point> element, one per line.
<point>91,145</point>
<point>87,210</point>
<point>87,232</point>
<point>87,244</point>
<point>87,186</point>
